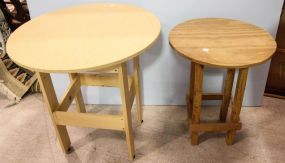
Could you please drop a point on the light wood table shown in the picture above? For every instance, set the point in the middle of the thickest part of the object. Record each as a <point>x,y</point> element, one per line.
<point>221,43</point>
<point>90,37</point>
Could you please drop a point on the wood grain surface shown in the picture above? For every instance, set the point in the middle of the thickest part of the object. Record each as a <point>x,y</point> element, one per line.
<point>222,42</point>
<point>85,37</point>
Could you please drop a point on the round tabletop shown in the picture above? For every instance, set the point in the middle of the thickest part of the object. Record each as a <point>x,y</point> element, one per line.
<point>83,38</point>
<point>222,42</point>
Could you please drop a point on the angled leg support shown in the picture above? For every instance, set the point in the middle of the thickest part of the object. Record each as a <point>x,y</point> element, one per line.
<point>52,104</point>
<point>126,108</point>
<point>80,107</point>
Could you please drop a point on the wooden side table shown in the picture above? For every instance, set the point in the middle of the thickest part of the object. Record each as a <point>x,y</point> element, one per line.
<point>80,39</point>
<point>221,43</point>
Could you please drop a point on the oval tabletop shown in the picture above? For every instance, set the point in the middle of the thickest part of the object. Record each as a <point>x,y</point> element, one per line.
<point>82,38</point>
<point>222,42</point>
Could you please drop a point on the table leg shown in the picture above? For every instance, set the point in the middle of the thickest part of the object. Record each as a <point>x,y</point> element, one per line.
<point>52,103</point>
<point>138,90</point>
<point>191,90</point>
<point>227,94</point>
<point>236,108</point>
<point>80,106</point>
<point>126,108</point>
<point>197,100</point>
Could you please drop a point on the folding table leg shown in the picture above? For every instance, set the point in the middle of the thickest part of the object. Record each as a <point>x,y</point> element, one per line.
<point>236,108</point>
<point>227,94</point>
<point>52,103</point>
<point>80,106</point>
<point>126,108</point>
<point>197,100</point>
<point>138,90</point>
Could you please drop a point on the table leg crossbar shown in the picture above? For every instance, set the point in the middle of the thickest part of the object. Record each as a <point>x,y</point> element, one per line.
<point>195,97</point>
<point>130,90</point>
<point>113,122</point>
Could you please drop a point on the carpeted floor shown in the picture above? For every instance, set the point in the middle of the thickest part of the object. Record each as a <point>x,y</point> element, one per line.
<point>26,135</point>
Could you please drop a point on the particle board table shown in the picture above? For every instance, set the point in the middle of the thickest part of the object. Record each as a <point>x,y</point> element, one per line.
<point>222,43</point>
<point>91,37</point>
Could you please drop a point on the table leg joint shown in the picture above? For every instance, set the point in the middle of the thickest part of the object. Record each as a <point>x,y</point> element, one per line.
<point>69,95</point>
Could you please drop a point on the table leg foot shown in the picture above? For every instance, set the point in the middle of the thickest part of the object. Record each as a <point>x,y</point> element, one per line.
<point>230,137</point>
<point>70,150</point>
<point>194,138</point>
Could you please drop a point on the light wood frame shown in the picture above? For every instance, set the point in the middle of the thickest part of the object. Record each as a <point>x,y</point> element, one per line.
<point>195,97</point>
<point>129,88</point>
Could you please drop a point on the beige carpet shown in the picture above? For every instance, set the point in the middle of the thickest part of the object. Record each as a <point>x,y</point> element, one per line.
<point>26,135</point>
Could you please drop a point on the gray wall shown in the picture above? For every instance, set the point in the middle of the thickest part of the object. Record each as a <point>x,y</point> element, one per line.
<point>165,76</point>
